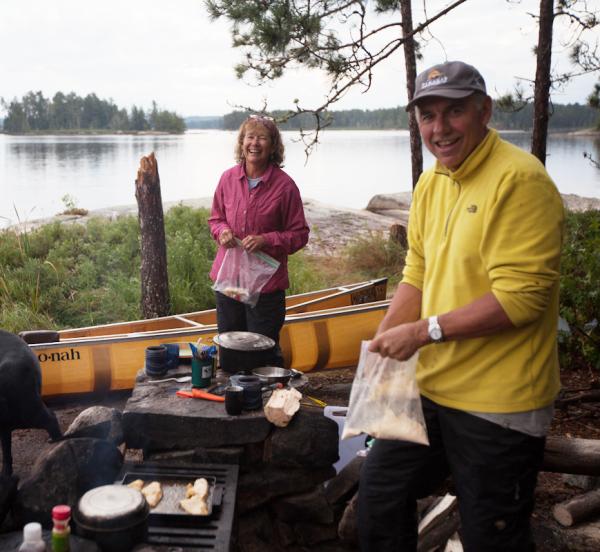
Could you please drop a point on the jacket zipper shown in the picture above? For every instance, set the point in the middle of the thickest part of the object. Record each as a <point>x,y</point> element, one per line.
<point>452,210</point>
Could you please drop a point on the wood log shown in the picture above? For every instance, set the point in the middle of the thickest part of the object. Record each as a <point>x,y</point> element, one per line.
<point>433,532</point>
<point>439,525</point>
<point>578,509</point>
<point>579,456</point>
<point>154,277</point>
<point>454,544</point>
<point>591,395</point>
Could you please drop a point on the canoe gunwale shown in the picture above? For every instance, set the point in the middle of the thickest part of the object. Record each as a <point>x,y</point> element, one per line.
<point>207,329</point>
<point>185,318</point>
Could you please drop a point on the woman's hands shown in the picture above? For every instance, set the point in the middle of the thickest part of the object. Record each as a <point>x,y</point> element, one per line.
<point>253,243</point>
<point>249,243</point>
<point>226,239</point>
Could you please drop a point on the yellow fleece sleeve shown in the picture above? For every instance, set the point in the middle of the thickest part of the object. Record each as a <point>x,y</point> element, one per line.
<point>521,244</point>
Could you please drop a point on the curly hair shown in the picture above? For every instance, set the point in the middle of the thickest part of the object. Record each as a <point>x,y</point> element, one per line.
<point>257,121</point>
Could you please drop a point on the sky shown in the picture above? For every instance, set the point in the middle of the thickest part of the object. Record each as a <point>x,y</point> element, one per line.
<point>136,51</point>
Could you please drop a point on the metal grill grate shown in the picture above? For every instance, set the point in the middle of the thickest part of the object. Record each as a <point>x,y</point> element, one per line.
<point>193,532</point>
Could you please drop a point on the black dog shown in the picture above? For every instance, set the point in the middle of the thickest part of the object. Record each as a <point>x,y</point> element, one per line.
<point>21,404</point>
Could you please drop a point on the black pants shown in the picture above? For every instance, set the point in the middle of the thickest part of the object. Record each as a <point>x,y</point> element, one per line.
<point>494,471</point>
<point>265,318</point>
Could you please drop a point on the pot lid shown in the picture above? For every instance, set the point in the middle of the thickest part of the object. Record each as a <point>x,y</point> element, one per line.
<point>244,341</point>
<point>111,506</point>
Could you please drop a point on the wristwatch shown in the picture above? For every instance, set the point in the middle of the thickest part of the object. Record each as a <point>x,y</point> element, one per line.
<point>434,330</point>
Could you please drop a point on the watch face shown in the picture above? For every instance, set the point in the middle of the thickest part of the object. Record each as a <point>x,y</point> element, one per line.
<point>436,334</point>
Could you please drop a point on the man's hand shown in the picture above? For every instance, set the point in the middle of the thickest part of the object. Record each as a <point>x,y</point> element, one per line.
<point>402,341</point>
<point>253,243</point>
<point>226,239</point>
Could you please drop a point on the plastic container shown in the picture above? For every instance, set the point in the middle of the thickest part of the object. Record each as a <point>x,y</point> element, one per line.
<point>348,448</point>
<point>156,360</point>
<point>32,538</point>
<point>172,355</point>
<point>201,372</point>
<point>61,531</point>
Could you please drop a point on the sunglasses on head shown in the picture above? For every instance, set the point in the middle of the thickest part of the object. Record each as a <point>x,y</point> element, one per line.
<point>261,117</point>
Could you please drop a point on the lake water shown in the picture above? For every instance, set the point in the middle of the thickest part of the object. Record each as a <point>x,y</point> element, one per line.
<point>346,170</point>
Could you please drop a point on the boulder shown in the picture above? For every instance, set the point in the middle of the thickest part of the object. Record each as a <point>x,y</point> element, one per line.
<point>390,202</point>
<point>63,473</point>
<point>8,491</point>
<point>310,534</point>
<point>259,486</point>
<point>310,440</point>
<point>306,507</point>
<point>98,422</point>
<point>344,484</point>
<point>155,419</point>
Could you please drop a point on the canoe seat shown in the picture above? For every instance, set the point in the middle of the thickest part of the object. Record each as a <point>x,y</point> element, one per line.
<point>39,336</point>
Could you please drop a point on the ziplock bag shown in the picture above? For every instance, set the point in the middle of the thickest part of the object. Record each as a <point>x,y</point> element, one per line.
<point>384,400</point>
<point>243,275</point>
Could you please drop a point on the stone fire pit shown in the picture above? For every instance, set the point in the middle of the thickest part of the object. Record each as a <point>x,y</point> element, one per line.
<point>282,502</point>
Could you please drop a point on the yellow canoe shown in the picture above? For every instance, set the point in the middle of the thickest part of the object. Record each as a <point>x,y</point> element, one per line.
<point>322,330</point>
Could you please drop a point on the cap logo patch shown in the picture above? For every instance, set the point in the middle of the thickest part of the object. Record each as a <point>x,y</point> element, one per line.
<point>434,78</point>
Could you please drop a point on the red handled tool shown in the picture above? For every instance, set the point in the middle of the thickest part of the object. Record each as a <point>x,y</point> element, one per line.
<point>198,394</point>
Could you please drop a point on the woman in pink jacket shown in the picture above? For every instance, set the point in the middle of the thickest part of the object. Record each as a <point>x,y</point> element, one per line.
<point>258,203</point>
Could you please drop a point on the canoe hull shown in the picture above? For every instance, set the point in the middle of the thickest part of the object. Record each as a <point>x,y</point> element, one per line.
<point>323,339</point>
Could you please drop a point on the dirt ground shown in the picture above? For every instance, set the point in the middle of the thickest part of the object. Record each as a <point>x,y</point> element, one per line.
<point>333,387</point>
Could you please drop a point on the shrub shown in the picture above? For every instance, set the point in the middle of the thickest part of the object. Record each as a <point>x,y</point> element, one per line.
<point>374,256</point>
<point>579,291</point>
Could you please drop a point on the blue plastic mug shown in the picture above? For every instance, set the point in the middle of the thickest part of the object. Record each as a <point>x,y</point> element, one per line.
<point>172,355</point>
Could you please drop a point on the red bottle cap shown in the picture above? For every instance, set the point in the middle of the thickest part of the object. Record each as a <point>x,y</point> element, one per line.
<point>61,512</point>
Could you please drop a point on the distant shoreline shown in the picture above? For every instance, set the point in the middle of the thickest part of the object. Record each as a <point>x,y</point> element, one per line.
<point>567,132</point>
<point>93,132</point>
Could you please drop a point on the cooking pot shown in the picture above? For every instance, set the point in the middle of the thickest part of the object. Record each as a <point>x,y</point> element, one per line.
<point>273,374</point>
<point>243,351</point>
<point>114,516</point>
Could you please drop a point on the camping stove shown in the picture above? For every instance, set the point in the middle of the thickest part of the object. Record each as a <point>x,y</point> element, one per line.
<point>185,532</point>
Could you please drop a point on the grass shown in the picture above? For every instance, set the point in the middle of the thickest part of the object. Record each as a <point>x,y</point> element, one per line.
<point>67,276</point>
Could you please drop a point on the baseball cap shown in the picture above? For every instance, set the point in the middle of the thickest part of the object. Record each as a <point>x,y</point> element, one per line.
<point>453,79</point>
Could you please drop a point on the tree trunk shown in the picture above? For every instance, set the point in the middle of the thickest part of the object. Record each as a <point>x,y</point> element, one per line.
<point>577,509</point>
<point>155,281</point>
<point>416,151</point>
<point>579,456</point>
<point>541,98</point>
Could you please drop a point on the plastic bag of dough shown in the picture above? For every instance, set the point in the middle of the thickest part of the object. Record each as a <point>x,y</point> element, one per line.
<point>384,400</point>
<point>243,275</point>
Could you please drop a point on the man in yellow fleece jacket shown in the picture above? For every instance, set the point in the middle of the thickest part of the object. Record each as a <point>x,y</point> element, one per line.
<point>479,301</point>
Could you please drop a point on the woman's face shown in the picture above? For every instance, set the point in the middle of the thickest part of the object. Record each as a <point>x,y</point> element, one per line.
<point>257,145</point>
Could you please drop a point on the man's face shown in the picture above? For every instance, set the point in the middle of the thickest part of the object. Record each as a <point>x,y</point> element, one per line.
<point>452,129</point>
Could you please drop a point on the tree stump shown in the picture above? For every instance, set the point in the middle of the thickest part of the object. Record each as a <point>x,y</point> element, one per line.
<point>398,235</point>
<point>154,277</point>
